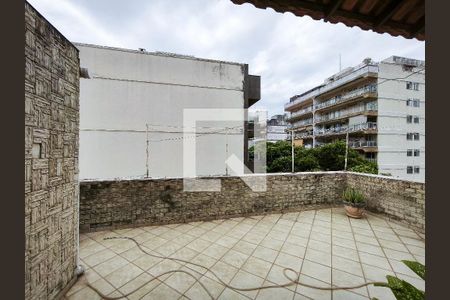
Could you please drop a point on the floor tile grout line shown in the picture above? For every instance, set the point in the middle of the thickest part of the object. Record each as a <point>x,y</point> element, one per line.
<point>219,259</point>
<point>203,274</point>
<point>306,249</point>
<point>331,250</point>
<point>183,265</point>
<point>146,271</point>
<point>384,253</point>
<point>280,217</point>
<point>278,253</point>
<point>247,257</point>
<point>388,220</point>
<point>401,241</point>
<point>359,257</point>
<point>382,248</point>
<point>120,255</point>
<point>398,238</point>
<point>409,251</point>
<point>304,256</point>
<point>332,268</point>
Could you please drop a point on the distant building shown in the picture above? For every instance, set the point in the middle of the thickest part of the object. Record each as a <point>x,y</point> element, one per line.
<point>276,128</point>
<point>131,122</point>
<point>381,106</point>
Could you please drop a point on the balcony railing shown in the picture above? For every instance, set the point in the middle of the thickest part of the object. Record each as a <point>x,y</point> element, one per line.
<point>359,72</point>
<point>345,128</point>
<point>367,107</point>
<point>301,123</point>
<point>371,88</point>
<point>362,144</point>
<point>303,134</point>
<point>363,126</point>
<point>300,112</point>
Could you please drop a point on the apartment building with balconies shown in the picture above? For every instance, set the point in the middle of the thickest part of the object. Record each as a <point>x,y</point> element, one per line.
<point>381,105</point>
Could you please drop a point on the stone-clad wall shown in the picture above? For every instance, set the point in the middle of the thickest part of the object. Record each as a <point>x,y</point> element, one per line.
<point>398,199</point>
<point>51,158</point>
<point>107,204</point>
<point>127,203</point>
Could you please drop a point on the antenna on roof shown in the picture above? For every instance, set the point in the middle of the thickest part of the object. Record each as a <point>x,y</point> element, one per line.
<point>340,64</point>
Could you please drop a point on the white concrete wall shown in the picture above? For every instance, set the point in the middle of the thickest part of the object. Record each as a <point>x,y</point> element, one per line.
<point>129,89</point>
<point>276,133</point>
<point>357,120</point>
<point>392,125</point>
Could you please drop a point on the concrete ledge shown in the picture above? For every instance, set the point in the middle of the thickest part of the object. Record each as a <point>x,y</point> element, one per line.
<point>126,203</point>
<point>399,200</point>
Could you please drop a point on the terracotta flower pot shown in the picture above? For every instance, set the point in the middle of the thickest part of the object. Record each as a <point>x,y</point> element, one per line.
<point>354,211</point>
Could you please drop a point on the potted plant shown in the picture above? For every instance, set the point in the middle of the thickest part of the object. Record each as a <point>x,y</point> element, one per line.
<point>354,202</point>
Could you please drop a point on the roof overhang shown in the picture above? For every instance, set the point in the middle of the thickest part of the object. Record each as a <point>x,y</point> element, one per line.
<point>404,18</point>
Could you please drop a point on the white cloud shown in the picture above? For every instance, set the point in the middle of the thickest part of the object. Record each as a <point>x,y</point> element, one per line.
<point>75,22</point>
<point>291,54</point>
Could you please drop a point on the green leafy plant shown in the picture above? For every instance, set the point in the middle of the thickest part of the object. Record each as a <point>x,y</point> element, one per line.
<point>366,167</point>
<point>353,197</point>
<point>281,164</point>
<point>328,157</point>
<point>403,290</point>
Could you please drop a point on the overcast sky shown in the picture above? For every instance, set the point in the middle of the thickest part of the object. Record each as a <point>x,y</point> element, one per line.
<point>291,54</point>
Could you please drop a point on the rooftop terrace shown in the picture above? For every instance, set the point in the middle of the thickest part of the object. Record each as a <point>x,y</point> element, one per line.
<point>324,246</point>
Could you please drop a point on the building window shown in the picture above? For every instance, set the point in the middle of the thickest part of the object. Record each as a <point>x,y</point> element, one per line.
<point>409,152</point>
<point>413,102</point>
<point>409,119</point>
<point>412,85</point>
<point>416,169</point>
<point>416,152</point>
<point>416,120</point>
<point>412,136</point>
<point>409,169</point>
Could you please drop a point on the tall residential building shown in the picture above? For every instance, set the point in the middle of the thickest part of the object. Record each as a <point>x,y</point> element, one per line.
<point>380,105</point>
<point>132,112</point>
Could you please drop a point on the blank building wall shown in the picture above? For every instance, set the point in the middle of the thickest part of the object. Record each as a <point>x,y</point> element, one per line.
<point>129,89</point>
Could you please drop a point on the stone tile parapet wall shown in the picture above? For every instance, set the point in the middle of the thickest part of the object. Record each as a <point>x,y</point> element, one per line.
<point>51,158</point>
<point>400,200</point>
<point>106,204</point>
<point>129,203</point>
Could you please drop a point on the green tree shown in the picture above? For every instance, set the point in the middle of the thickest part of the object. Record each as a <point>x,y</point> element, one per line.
<point>329,157</point>
<point>365,167</point>
<point>306,160</point>
<point>281,164</point>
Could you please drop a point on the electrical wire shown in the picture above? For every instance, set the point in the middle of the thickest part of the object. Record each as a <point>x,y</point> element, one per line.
<point>197,135</point>
<point>194,135</point>
<point>291,280</point>
<point>400,78</point>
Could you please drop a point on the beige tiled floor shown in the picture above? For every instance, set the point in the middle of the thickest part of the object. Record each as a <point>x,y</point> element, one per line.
<point>324,245</point>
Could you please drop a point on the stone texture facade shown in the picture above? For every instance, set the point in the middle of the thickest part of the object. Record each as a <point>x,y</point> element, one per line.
<point>400,200</point>
<point>129,203</point>
<point>51,158</point>
<point>107,204</point>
